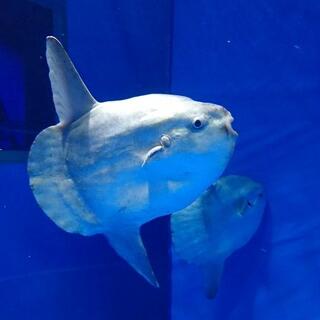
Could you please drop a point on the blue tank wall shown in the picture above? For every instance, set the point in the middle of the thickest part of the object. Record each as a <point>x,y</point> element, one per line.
<point>11,80</point>
<point>122,47</point>
<point>261,60</point>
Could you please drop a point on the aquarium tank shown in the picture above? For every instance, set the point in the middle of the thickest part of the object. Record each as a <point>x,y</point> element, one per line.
<point>71,209</point>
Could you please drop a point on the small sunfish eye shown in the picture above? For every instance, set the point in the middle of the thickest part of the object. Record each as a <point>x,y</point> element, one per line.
<point>250,204</point>
<point>197,123</point>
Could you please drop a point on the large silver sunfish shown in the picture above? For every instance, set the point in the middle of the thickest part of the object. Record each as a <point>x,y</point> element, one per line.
<point>219,222</point>
<point>107,168</point>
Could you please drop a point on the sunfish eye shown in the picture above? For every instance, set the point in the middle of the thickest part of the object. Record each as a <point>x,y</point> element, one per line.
<point>197,123</point>
<point>244,205</point>
<point>165,141</point>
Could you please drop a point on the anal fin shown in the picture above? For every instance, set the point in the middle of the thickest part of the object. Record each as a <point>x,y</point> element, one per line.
<point>130,247</point>
<point>212,272</point>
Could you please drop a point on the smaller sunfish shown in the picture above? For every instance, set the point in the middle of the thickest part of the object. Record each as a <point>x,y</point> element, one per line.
<point>220,221</point>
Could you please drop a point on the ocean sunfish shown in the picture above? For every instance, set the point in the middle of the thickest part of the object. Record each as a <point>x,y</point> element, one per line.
<point>107,168</point>
<point>220,221</point>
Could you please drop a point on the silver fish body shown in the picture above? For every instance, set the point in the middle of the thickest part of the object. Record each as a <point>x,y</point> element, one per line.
<point>110,174</point>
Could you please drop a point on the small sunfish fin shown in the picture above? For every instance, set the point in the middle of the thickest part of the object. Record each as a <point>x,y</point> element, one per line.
<point>71,97</point>
<point>191,241</point>
<point>189,234</point>
<point>212,272</point>
<point>130,247</point>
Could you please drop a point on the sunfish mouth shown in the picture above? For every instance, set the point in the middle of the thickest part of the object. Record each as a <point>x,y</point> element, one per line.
<point>228,127</point>
<point>226,121</point>
<point>230,131</point>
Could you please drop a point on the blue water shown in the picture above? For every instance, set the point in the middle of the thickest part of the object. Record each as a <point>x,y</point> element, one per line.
<point>260,59</point>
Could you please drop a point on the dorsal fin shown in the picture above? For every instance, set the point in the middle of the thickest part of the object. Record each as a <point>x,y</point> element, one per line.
<point>71,97</point>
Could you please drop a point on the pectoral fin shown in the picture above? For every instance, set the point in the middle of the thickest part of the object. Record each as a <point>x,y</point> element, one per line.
<point>130,247</point>
<point>212,274</point>
<point>151,153</point>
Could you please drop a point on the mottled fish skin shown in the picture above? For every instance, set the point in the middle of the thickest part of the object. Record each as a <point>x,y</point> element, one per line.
<point>107,168</point>
<point>220,221</point>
